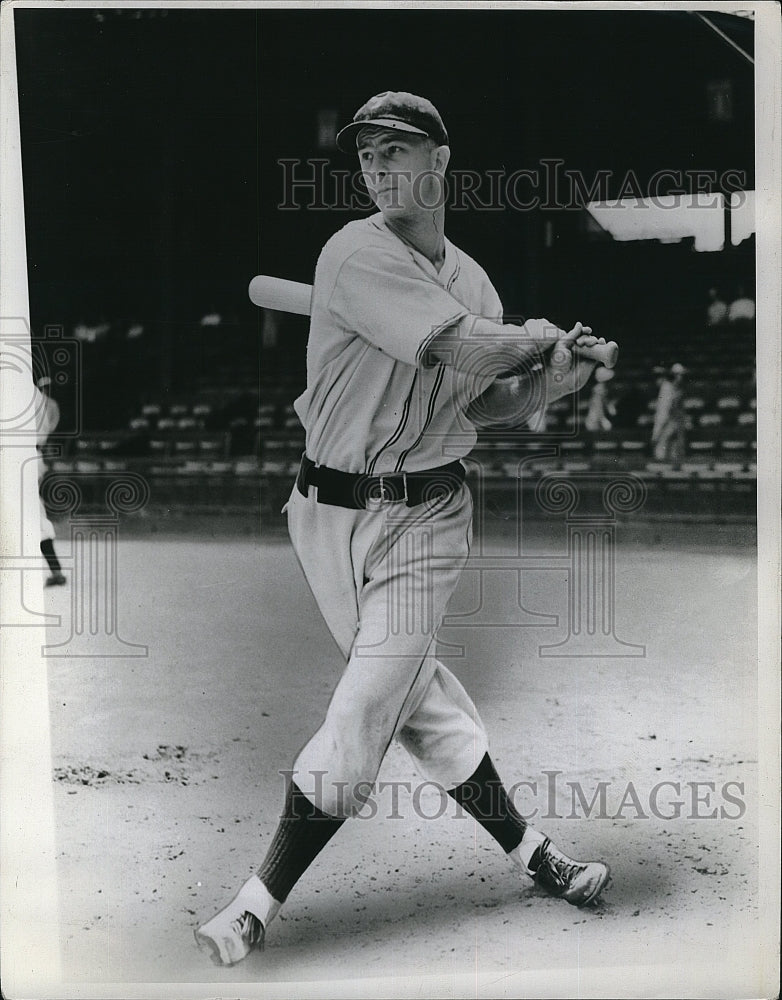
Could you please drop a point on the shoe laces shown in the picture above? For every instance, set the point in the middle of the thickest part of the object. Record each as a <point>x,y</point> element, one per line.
<point>560,865</point>
<point>249,928</point>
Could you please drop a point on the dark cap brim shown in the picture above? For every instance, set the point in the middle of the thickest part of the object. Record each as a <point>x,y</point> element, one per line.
<point>346,137</point>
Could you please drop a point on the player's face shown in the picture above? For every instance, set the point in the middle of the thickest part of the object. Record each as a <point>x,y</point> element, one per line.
<point>398,169</point>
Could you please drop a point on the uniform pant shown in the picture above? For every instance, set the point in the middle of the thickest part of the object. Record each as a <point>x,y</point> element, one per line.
<point>382,579</point>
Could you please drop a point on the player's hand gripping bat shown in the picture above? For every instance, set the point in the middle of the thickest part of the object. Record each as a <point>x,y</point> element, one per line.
<point>294,297</point>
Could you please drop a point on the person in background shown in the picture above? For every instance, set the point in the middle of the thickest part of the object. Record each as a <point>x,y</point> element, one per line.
<point>602,407</point>
<point>742,309</point>
<point>668,429</point>
<point>717,310</point>
<point>47,416</point>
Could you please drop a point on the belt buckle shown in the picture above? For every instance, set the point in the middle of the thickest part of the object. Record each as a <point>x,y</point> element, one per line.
<point>384,494</point>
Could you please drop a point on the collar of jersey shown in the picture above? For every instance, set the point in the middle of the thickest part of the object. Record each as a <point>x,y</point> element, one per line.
<point>446,272</point>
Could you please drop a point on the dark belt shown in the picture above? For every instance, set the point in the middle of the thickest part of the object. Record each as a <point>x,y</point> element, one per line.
<point>359,491</point>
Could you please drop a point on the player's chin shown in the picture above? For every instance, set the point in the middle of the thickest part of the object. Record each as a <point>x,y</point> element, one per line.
<point>390,206</point>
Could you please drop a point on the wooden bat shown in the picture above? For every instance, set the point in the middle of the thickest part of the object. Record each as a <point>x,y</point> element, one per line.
<point>295,297</point>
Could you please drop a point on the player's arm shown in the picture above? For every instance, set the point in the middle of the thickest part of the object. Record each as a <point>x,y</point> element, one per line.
<point>514,398</point>
<point>476,345</point>
<point>382,295</point>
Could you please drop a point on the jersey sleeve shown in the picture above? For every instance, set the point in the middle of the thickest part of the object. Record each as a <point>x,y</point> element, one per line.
<point>491,304</point>
<point>389,301</point>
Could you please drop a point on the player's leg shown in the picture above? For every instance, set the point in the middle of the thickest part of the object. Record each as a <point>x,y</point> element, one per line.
<point>447,741</point>
<point>661,451</point>
<point>382,590</point>
<point>56,578</point>
<point>324,540</point>
<point>409,572</point>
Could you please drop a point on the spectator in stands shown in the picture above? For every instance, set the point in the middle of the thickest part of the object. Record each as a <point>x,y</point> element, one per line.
<point>602,407</point>
<point>669,418</point>
<point>717,311</point>
<point>742,309</point>
<point>47,416</point>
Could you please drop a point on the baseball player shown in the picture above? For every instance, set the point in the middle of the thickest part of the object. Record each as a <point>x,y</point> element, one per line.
<point>47,416</point>
<point>407,351</point>
<point>668,431</point>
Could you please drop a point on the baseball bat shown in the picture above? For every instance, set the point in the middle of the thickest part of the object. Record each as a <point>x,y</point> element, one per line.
<point>295,297</point>
<point>280,294</point>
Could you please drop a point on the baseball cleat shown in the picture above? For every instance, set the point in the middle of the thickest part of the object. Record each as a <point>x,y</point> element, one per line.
<point>239,928</point>
<point>577,882</point>
<point>55,580</point>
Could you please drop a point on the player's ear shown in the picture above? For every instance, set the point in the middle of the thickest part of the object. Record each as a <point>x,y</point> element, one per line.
<point>441,156</point>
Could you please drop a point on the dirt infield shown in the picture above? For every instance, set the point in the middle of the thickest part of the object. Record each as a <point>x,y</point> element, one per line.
<point>167,784</point>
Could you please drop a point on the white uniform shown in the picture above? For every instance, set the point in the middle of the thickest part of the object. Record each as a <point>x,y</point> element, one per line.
<point>47,416</point>
<point>382,577</point>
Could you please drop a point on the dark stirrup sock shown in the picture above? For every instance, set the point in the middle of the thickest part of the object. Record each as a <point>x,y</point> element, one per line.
<point>47,549</point>
<point>302,833</point>
<point>484,797</point>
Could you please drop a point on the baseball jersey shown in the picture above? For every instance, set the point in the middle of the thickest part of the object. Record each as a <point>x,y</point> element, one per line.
<point>374,401</point>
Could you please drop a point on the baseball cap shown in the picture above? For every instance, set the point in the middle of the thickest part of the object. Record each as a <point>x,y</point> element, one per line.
<point>395,110</point>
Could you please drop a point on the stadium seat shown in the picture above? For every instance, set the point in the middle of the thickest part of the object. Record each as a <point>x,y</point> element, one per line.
<point>99,442</point>
<point>191,467</point>
<point>246,467</point>
<point>184,443</point>
<point>552,421</point>
<point>633,451</point>
<point>273,467</point>
<point>213,445</point>
<point>544,464</point>
<point>735,446</point>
